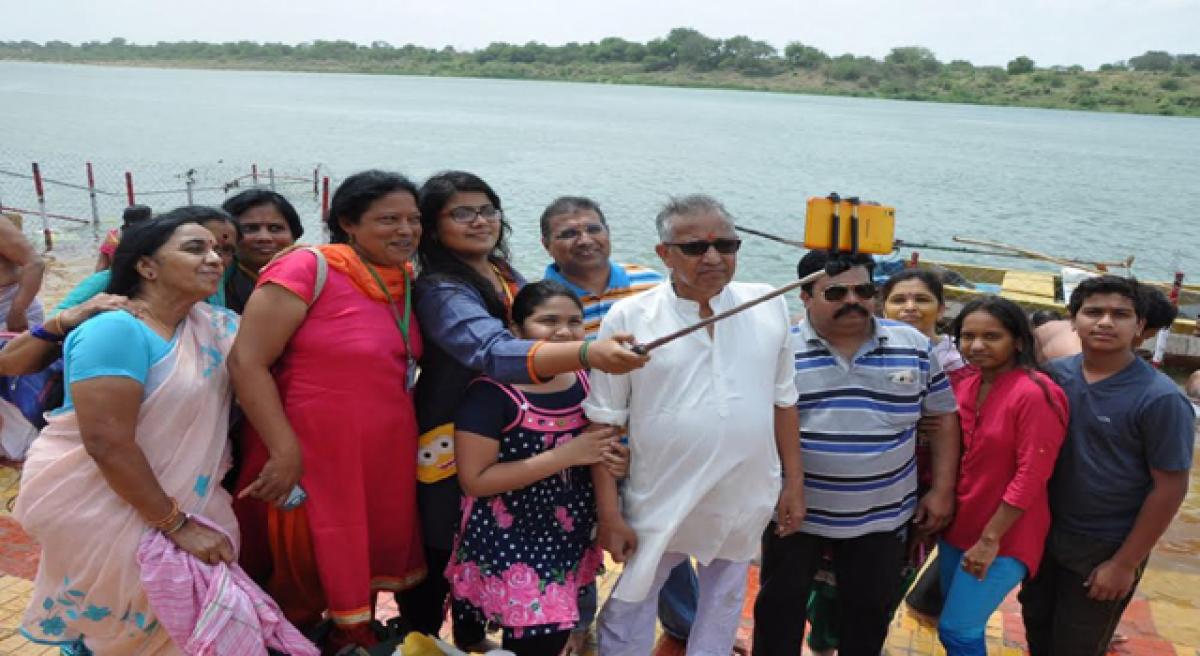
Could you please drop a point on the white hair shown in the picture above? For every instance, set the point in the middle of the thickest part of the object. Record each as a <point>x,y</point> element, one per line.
<point>690,205</point>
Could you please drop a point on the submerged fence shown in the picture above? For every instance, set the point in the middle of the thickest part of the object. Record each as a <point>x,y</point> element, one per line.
<point>63,199</point>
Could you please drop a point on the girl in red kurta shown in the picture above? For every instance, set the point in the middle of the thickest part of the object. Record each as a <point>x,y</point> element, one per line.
<point>1014,419</point>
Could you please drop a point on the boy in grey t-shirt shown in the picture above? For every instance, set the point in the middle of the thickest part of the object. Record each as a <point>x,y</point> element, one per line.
<point>1120,478</point>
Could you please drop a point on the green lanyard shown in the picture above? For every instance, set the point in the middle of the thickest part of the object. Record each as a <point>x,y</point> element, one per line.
<point>402,324</point>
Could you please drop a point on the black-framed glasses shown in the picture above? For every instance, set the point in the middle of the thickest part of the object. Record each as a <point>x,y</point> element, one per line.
<point>698,248</point>
<point>467,214</point>
<point>837,293</point>
<point>591,229</point>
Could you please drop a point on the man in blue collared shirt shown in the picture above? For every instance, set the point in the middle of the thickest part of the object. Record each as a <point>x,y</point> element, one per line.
<point>576,236</point>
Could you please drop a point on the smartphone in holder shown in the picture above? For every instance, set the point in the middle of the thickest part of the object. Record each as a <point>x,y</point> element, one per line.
<point>843,224</point>
<point>296,497</point>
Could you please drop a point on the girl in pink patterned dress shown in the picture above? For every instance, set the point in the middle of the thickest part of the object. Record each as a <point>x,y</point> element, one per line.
<point>526,545</point>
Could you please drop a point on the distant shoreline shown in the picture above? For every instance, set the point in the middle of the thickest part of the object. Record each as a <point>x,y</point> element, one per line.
<point>1126,92</point>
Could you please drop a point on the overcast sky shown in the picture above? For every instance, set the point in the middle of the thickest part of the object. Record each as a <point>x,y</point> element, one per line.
<point>1087,32</point>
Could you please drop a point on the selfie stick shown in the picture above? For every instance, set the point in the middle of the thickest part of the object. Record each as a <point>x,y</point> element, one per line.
<point>830,269</point>
<point>643,349</point>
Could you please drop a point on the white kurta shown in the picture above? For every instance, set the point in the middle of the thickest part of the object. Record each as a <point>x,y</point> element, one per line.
<point>704,470</point>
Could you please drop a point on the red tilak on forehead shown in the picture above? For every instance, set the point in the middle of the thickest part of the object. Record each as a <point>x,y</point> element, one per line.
<point>712,236</point>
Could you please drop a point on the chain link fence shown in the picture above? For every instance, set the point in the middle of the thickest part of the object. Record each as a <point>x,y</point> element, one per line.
<point>68,204</point>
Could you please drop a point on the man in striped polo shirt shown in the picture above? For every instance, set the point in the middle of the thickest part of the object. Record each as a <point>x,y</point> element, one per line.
<point>864,383</point>
<point>575,234</point>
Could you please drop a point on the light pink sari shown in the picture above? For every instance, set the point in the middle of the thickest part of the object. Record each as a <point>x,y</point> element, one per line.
<point>87,584</point>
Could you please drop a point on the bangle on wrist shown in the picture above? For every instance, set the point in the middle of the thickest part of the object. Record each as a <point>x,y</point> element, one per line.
<point>533,375</point>
<point>57,321</point>
<point>170,519</point>
<point>583,355</point>
<point>183,519</point>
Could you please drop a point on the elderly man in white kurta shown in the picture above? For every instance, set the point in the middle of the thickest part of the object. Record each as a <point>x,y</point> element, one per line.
<point>712,423</point>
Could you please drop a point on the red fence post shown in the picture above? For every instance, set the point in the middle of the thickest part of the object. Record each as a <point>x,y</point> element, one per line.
<point>41,196</point>
<point>129,187</point>
<point>91,179</point>
<point>325,205</point>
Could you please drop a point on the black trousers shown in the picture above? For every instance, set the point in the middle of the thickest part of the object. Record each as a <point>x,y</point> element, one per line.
<point>868,587</point>
<point>543,645</point>
<point>1059,617</point>
<point>424,606</point>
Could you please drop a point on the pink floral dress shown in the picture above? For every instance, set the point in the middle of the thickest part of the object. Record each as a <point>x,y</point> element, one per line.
<point>521,557</point>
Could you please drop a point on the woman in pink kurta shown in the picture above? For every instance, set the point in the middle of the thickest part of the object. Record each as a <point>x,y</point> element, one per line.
<point>340,362</point>
<point>1013,421</point>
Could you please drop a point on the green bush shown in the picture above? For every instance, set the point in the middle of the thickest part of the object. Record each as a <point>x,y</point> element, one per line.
<point>1020,66</point>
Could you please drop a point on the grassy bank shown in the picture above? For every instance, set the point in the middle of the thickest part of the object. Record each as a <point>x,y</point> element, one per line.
<point>1152,83</point>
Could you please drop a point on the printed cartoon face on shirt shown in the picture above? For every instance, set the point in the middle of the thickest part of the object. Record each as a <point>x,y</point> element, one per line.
<point>435,454</point>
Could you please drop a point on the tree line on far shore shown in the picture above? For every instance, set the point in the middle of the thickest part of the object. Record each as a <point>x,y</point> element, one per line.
<point>1153,82</point>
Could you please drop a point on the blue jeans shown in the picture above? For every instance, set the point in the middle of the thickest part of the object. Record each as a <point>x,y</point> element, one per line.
<point>969,602</point>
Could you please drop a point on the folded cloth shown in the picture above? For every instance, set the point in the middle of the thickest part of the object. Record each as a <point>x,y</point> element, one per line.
<point>212,609</point>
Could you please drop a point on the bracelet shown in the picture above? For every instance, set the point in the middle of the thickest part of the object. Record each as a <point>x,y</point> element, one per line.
<point>533,377</point>
<point>39,331</point>
<point>583,356</point>
<point>183,519</point>
<point>170,519</point>
<point>61,331</point>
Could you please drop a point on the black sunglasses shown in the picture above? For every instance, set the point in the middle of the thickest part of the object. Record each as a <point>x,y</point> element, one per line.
<point>698,248</point>
<point>836,293</point>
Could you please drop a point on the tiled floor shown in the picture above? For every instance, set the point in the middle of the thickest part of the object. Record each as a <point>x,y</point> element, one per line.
<point>1162,620</point>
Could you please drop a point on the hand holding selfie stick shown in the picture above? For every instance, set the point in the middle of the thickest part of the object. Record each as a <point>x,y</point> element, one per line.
<point>828,207</point>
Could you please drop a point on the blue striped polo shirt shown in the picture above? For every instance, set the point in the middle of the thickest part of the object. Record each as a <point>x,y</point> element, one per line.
<point>623,280</point>
<point>858,424</point>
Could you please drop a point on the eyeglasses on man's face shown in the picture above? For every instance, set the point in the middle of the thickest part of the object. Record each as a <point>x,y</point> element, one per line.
<point>838,293</point>
<point>698,248</point>
<point>467,214</point>
<point>571,234</point>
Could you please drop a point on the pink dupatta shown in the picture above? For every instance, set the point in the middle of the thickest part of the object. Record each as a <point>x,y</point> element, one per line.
<point>88,586</point>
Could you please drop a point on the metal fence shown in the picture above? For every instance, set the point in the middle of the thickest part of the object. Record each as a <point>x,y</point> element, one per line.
<point>67,200</point>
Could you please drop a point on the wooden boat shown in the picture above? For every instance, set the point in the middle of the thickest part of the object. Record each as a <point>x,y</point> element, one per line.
<point>1043,290</point>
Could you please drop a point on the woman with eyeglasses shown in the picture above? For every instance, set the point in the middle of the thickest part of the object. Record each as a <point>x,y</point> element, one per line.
<point>463,300</point>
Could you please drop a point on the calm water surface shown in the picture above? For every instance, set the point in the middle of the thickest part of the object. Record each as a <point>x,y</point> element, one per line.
<point>1070,183</point>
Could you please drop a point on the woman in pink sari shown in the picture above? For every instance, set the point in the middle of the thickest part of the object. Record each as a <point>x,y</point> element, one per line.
<point>138,446</point>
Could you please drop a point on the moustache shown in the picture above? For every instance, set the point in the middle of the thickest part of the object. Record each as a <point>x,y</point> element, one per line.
<point>847,309</point>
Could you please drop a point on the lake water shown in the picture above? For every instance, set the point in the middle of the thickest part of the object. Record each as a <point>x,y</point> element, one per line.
<point>1070,183</point>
